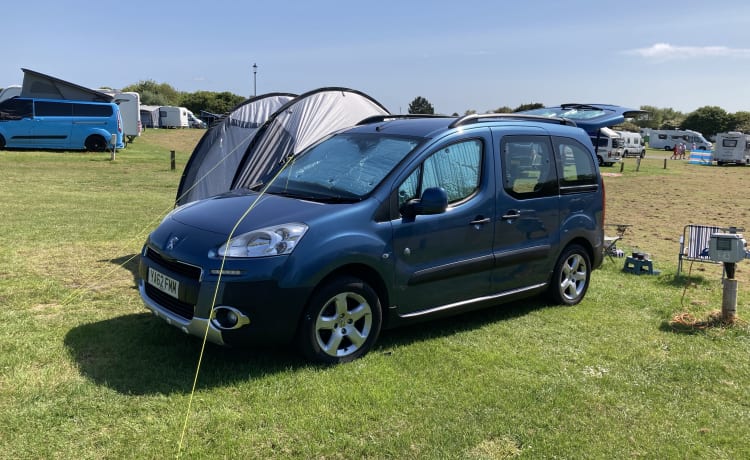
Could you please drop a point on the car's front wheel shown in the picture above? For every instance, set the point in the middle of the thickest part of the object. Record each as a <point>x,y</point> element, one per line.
<point>570,279</point>
<point>341,322</point>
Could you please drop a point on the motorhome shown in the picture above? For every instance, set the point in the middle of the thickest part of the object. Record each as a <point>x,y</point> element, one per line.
<point>608,146</point>
<point>632,144</point>
<point>9,92</point>
<point>173,117</point>
<point>667,138</point>
<point>732,148</point>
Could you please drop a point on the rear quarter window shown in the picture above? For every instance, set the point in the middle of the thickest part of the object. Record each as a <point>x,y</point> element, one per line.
<point>576,163</point>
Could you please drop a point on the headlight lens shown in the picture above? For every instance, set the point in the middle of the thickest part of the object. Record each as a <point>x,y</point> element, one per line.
<point>264,242</point>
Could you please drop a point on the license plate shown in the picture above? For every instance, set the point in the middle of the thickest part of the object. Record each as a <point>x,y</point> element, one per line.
<point>163,283</point>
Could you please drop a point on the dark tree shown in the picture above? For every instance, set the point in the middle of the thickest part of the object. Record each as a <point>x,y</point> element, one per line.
<point>530,106</point>
<point>421,105</point>
<point>708,120</point>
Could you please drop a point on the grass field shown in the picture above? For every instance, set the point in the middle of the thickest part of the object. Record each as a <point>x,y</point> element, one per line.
<point>86,372</point>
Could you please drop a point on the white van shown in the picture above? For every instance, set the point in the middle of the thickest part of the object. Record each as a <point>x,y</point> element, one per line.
<point>608,147</point>
<point>632,144</point>
<point>732,148</point>
<point>173,117</point>
<point>194,121</point>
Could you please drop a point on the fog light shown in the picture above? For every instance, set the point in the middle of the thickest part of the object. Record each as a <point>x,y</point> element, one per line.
<point>228,318</point>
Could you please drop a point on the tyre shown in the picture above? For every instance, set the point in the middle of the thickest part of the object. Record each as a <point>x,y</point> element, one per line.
<point>95,144</point>
<point>667,148</point>
<point>2,142</point>
<point>570,279</point>
<point>643,154</point>
<point>601,160</point>
<point>341,322</point>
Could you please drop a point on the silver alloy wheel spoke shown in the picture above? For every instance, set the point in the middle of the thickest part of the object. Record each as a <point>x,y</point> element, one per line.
<point>341,331</point>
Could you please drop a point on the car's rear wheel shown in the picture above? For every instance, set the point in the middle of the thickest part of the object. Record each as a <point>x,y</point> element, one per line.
<point>2,142</point>
<point>341,322</point>
<point>570,279</point>
<point>95,143</point>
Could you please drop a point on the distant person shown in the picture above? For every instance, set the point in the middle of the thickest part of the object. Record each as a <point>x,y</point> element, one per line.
<point>675,152</point>
<point>683,147</point>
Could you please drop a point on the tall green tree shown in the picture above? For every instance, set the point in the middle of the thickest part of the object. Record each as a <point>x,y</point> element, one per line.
<point>740,122</point>
<point>708,120</point>
<point>421,105</point>
<point>153,93</point>
<point>210,101</point>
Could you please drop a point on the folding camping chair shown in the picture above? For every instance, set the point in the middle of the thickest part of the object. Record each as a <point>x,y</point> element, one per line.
<point>694,244</point>
<point>610,242</point>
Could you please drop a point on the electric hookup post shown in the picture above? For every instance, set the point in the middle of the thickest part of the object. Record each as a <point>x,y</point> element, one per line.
<point>728,248</point>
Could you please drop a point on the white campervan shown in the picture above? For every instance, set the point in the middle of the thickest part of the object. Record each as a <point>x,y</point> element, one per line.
<point>732,148</point>
<point>173,117</point>
<point>608,146</point>
<point>632,144</point>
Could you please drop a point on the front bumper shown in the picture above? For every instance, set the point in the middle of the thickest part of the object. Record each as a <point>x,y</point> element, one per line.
<point>272,312</point>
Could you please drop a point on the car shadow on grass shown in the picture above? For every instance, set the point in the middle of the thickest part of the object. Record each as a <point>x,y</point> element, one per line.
<point>139,354</point>
<point>129,262</point>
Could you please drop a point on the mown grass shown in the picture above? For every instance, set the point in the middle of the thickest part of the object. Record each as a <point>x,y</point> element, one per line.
<point>85,372</point>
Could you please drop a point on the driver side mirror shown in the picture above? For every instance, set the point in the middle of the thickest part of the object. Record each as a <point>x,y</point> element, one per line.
<point>434,200</point>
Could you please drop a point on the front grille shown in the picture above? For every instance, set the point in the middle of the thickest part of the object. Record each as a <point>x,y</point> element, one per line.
<point>175,266</point>
<point>182,309</point>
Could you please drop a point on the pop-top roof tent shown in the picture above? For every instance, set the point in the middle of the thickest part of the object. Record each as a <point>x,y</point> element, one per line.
<point>295,125</point>
<point>216,156</point>
<point>39,85</point>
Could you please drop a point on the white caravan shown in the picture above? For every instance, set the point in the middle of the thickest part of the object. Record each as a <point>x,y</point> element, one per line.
<point>173,117</point>
<point>130,110</point>
<point>732,147</point>
<point>667,138</point>
<point>632,144</point>
<point>9,92</point>
<point>608,147</point>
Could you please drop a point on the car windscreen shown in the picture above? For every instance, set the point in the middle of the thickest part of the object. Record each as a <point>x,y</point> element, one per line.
<point>346,166</point>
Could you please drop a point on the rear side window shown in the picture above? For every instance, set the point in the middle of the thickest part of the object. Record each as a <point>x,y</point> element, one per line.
<point>528,166</point>
<point>53,109</point>
<point>576,163</point>
<point>729,142</point>
<point>92,110</point>
<point>16,109</point>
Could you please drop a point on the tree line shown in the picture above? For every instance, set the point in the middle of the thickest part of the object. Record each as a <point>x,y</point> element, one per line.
<point>153,93</point>
<point>707,120</point>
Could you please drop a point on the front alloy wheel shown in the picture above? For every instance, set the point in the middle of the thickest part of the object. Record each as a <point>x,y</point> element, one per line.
<point>341,322</point>
<point>570,280</point>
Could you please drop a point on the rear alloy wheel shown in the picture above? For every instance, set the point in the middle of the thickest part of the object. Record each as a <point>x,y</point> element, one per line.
<point>341,323</point>
<point>570,280</point>
<point>95,144</point>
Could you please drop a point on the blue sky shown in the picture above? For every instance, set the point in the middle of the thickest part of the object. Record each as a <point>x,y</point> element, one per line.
<point>459,55</point>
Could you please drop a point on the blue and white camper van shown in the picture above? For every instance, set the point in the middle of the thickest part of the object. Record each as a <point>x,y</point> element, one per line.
<point>32,123</point>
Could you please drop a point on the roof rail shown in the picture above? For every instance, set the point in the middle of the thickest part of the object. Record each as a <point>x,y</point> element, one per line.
<point>382,118</point>
<point>478,117</point>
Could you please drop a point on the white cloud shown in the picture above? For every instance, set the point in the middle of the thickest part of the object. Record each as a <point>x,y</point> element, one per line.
<point>665,51</point>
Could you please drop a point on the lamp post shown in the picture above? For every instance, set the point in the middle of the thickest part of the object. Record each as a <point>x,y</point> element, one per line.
<point>255,72</point>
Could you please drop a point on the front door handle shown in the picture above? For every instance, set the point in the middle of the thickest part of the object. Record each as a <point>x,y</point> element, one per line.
<point>512,214</point>
<point>479,220</point>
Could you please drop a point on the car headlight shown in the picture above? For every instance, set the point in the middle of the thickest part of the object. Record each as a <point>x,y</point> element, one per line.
<point>269,241</point>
